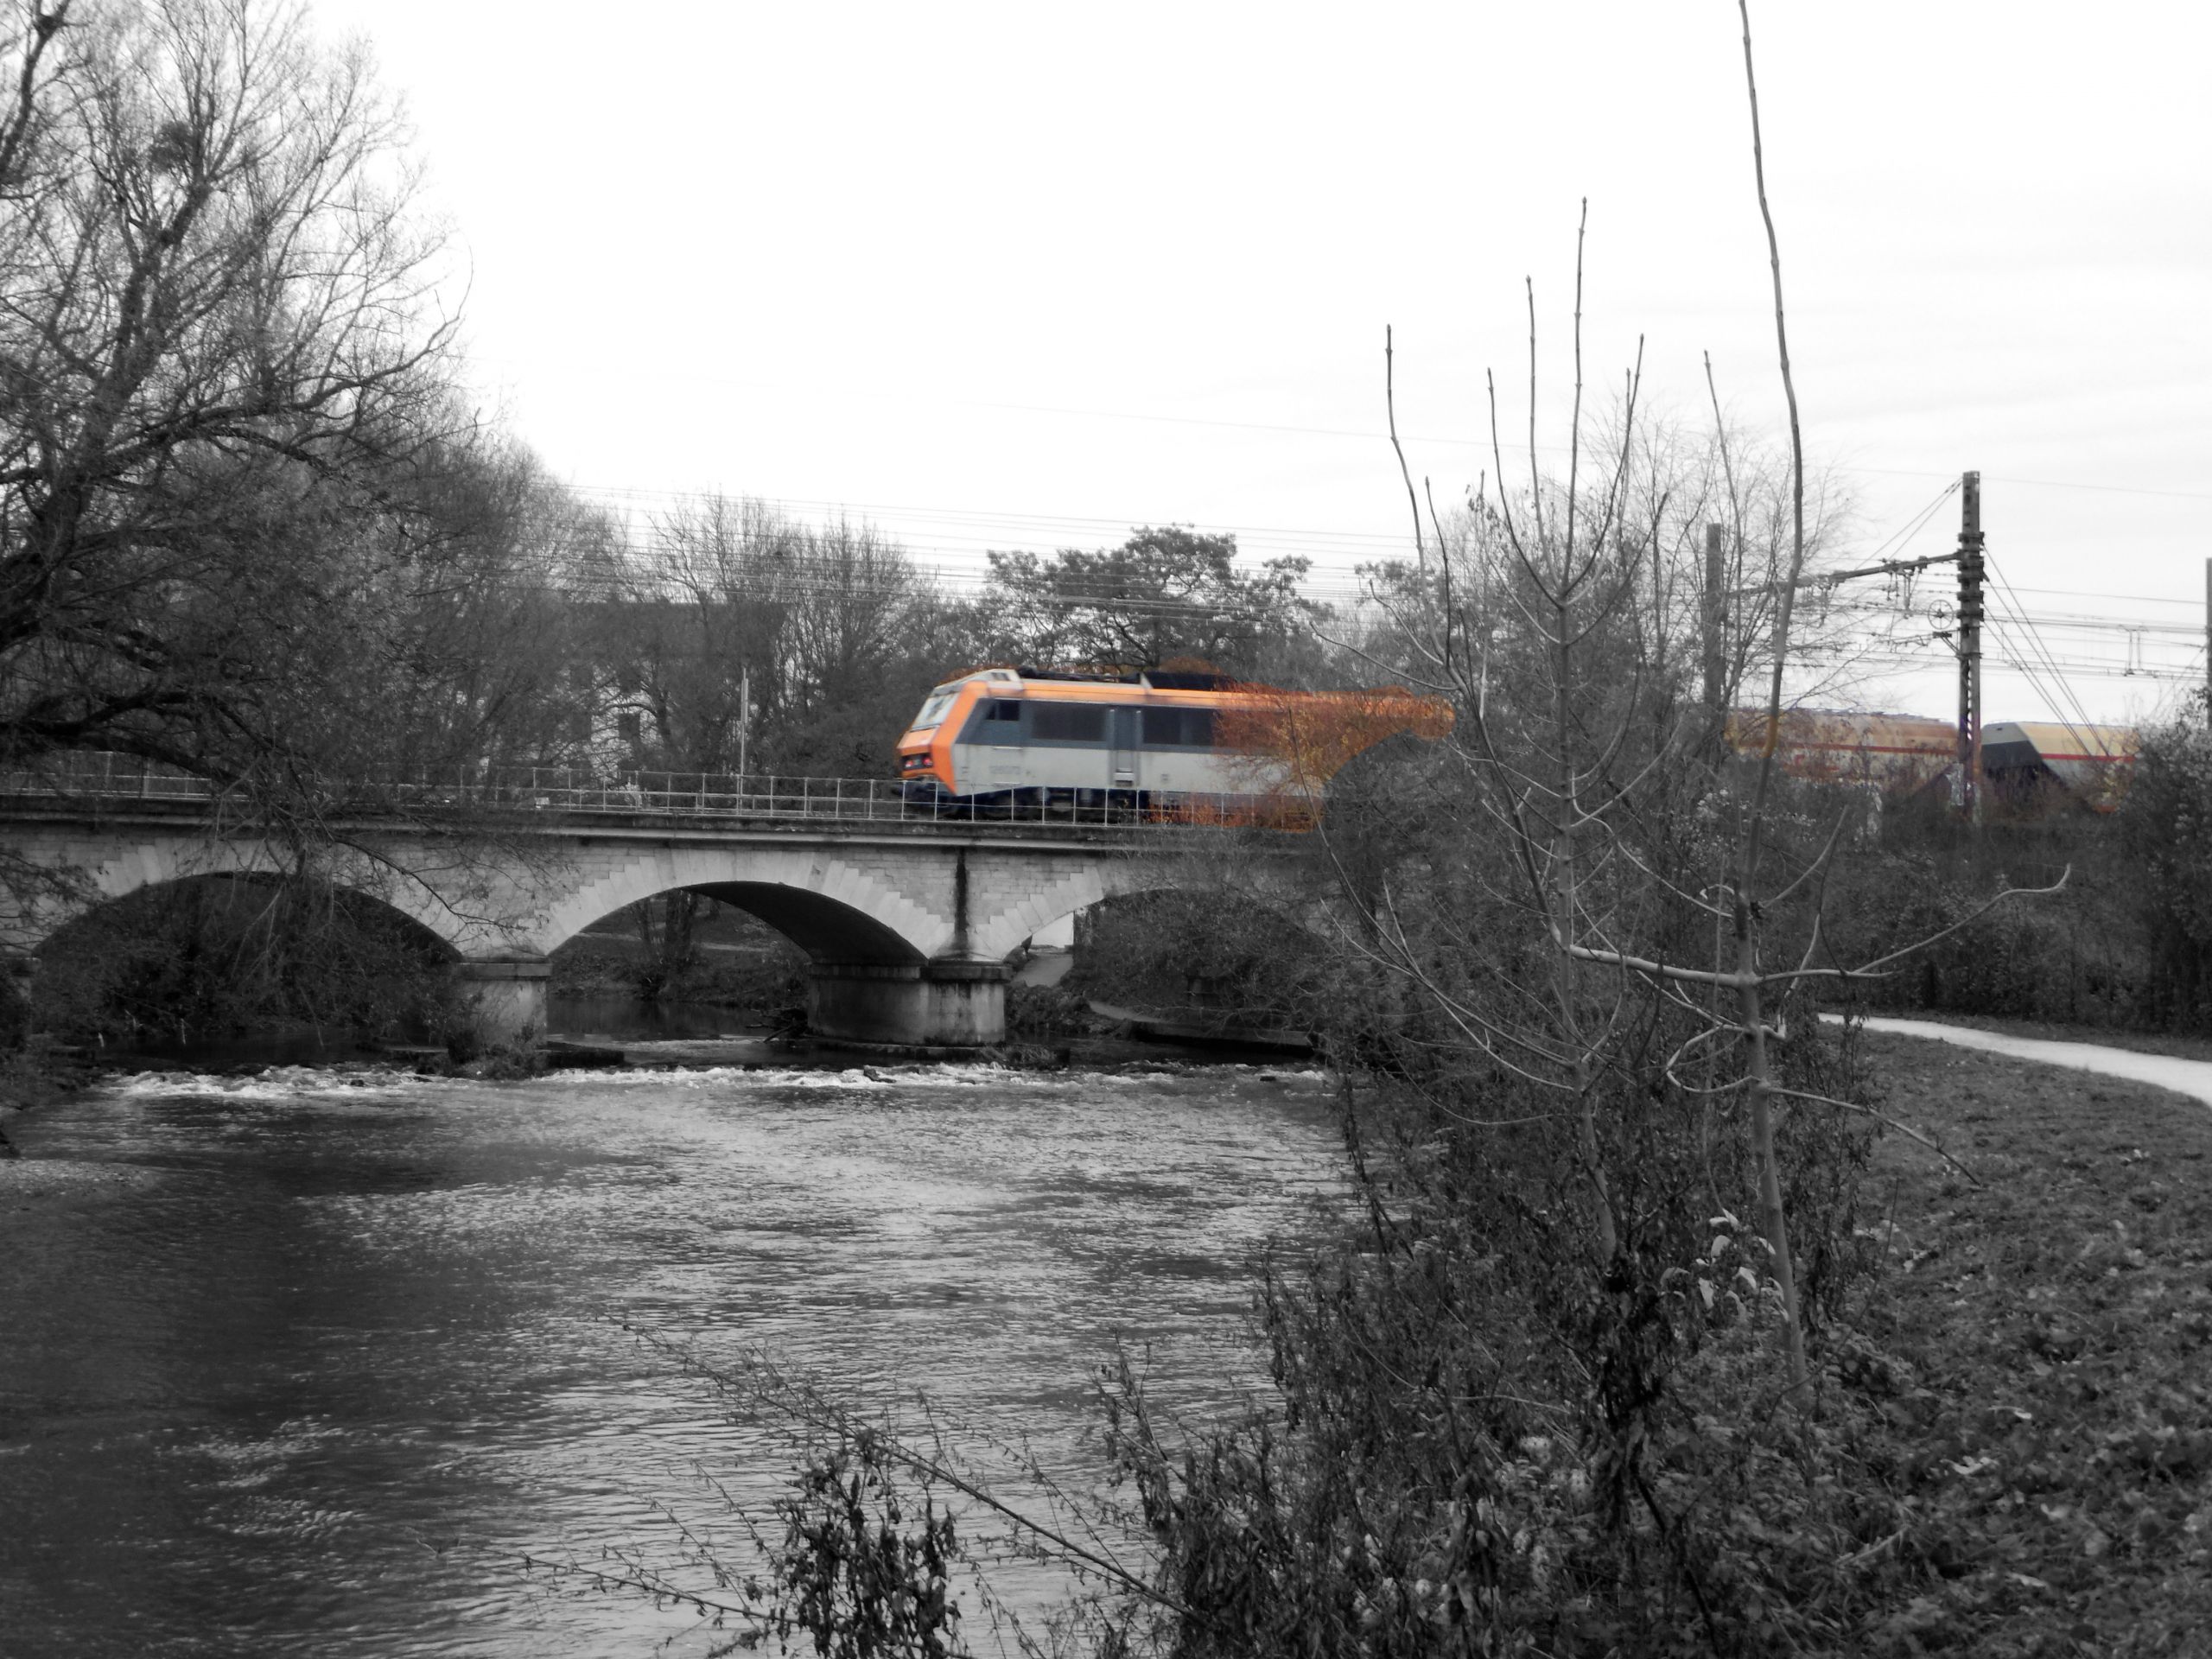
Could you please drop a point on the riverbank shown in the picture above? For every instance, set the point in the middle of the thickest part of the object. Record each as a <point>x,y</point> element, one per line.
<point>2025,1387</point>
<point>2042,1336</point>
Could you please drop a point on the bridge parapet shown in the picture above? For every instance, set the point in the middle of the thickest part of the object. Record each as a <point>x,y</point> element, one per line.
<point>909,922</point>
<point>506,792</point>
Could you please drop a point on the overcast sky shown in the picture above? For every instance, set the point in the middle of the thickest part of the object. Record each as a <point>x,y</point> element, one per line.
<point>1031,275</point>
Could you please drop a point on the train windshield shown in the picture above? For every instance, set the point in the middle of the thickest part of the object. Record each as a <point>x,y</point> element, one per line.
<point>933,711</point>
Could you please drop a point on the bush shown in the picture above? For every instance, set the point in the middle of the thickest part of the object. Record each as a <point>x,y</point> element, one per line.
<point>2165,840</point>
<point>1201,952</point>
<point>2123,944</point>
<point>1047,1011</point>
<point>1482,1438</point>
<point>222,955</point>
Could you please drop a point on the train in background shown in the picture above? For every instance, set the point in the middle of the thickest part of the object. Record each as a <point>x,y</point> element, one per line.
<point>2030,766</point>
<point>1192,748</point>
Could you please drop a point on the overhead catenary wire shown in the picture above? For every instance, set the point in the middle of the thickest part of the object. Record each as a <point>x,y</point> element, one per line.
<point>1902,539</point>
<point>947,561</point>
<point>974,584</point>
<point>2017,615</point>
<point>1337,554</point>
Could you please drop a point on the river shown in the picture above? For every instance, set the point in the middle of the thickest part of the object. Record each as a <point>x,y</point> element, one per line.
<point>306,1363</point>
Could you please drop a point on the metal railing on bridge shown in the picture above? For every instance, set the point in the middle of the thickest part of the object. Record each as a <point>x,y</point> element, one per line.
<point>508,790</point>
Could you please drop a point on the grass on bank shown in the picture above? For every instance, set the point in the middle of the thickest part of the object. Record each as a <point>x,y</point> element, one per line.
<point>2038,1355</point>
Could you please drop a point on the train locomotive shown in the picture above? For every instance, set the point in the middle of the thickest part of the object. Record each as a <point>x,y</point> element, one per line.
<point>1194,748</point>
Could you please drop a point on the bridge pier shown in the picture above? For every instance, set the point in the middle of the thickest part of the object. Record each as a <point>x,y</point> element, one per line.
<point>507,998</point>
<point>945,1003</point>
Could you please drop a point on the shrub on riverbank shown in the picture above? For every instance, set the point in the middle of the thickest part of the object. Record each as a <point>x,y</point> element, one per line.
<point>1483,1436</point>
<point>2009,1455</point>
<point>1048,1011</point>
<point>221,957</point>
<point>2127,943</point>
<point>2076,956</point>
<point>1207,952</point>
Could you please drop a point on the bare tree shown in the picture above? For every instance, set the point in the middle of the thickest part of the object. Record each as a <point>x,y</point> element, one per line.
<point>223,354</point>
<point>1558,616</point>
<point>814,643</point>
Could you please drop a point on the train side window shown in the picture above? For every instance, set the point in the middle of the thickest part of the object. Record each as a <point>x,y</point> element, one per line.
<point>1180,728</point>
<point>1070,722</point>
<point>1003,708</point>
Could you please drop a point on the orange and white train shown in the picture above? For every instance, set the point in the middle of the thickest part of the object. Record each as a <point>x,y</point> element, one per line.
<point>1197,747</point>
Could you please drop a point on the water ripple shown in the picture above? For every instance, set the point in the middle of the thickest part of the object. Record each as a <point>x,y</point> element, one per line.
<point>303,1364</point>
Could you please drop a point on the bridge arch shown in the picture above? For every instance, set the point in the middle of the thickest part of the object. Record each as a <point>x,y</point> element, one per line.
<point>833,908</point>
<point>1075,890</point>
<point>143,864</point>
<point>1079,889</point>
<point>57,924</point>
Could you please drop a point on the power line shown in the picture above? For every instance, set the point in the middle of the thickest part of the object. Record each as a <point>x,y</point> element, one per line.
<point>958,535</point>
<point>652,555</point>
<point>1902,538</point>
<point>2035,640</point>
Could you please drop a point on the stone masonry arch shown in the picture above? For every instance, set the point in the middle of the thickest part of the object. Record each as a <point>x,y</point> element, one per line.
<point>1080,889</point>
<point>909,927</point>
<point>833,907</point>
<point>122,868</point>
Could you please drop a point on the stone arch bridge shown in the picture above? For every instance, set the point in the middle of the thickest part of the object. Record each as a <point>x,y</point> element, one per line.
<point>908,925</point>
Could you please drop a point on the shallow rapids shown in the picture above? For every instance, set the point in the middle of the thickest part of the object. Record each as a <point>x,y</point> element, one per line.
<point>306,1363</point>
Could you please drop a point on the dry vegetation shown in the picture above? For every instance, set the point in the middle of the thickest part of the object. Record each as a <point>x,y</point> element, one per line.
<point>2033,1380</point>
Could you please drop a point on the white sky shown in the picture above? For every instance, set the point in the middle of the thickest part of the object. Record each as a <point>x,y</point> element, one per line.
<point>1032,274</point>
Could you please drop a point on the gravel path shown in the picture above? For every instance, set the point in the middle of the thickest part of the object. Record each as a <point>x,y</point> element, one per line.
<point>2190,1078</point>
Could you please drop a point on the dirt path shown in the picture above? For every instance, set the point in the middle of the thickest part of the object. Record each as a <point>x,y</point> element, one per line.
<point>2190,1078</point>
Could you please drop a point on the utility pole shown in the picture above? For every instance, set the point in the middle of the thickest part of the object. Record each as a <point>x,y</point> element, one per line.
<point>1972,570</point>
<point>1715,622</point>
<point>2208,642</point>
<point>744,721</point>
<point>1970,580</point>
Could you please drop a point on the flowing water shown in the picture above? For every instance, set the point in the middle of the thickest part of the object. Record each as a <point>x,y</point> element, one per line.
<point>306,1363</point>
